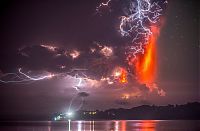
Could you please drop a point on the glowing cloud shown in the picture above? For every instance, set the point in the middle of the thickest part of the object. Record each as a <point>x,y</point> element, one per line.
<point>120,74</point>
<point>74,54</point>
<point>49,47</point>
<point>106,51</point>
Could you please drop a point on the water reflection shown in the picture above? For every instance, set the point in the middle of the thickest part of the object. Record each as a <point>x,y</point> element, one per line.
<point>116,125</point>
<point>113,125</point>
<point>119,126</point>
<point>79,125</point>
<point>146,125</point>
<point>122,125</point>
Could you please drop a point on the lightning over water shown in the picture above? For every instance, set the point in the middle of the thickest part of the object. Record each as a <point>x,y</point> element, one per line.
<point>139,23</point>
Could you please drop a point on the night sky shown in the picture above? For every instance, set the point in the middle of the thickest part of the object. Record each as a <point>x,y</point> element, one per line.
<point>71,25</point>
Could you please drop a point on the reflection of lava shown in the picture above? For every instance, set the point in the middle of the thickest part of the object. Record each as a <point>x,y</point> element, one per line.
<point>145,64</point>
<point>123,125</point>
<point>148,125</point>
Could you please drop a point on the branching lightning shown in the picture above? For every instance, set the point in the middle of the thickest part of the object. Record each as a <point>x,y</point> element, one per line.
<point>141,24</point>
<point>22,77</point>
<point>38,78</point>
<point>103,5</point>
<point>136,23</point>
<point>142,14</point>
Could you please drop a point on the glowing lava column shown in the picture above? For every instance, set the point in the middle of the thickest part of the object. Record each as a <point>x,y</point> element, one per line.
<point>146,63</point>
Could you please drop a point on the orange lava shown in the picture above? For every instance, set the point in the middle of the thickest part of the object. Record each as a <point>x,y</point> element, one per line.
<point>146,64</point>
<point>123,76</point>
<point>120,74</point>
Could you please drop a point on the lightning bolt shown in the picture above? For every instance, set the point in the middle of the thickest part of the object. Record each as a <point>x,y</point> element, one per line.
<point>137,24</point>
<point>142,14</point>
<point>22,77</point>
<point>103,5</point>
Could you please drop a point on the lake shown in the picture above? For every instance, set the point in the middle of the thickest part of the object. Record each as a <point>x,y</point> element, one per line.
<point>110,125</point>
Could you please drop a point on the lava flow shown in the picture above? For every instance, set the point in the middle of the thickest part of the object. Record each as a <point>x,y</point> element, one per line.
<point>121,75</point>
<point>146,63</point>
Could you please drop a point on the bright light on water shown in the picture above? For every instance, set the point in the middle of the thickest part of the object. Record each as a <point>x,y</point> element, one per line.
<point>113,125</point>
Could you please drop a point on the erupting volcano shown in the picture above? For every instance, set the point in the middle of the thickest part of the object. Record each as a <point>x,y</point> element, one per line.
<point>146,64</point>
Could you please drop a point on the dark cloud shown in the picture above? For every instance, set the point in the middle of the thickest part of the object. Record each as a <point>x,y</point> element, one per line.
<point>122,102</point>
<point>144,102</point>
<point>69,25</point>
<point>83,94</point>
<point>39,57</point>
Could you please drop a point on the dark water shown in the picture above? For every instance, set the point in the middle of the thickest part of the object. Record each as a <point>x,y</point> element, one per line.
<point>115,125</point>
